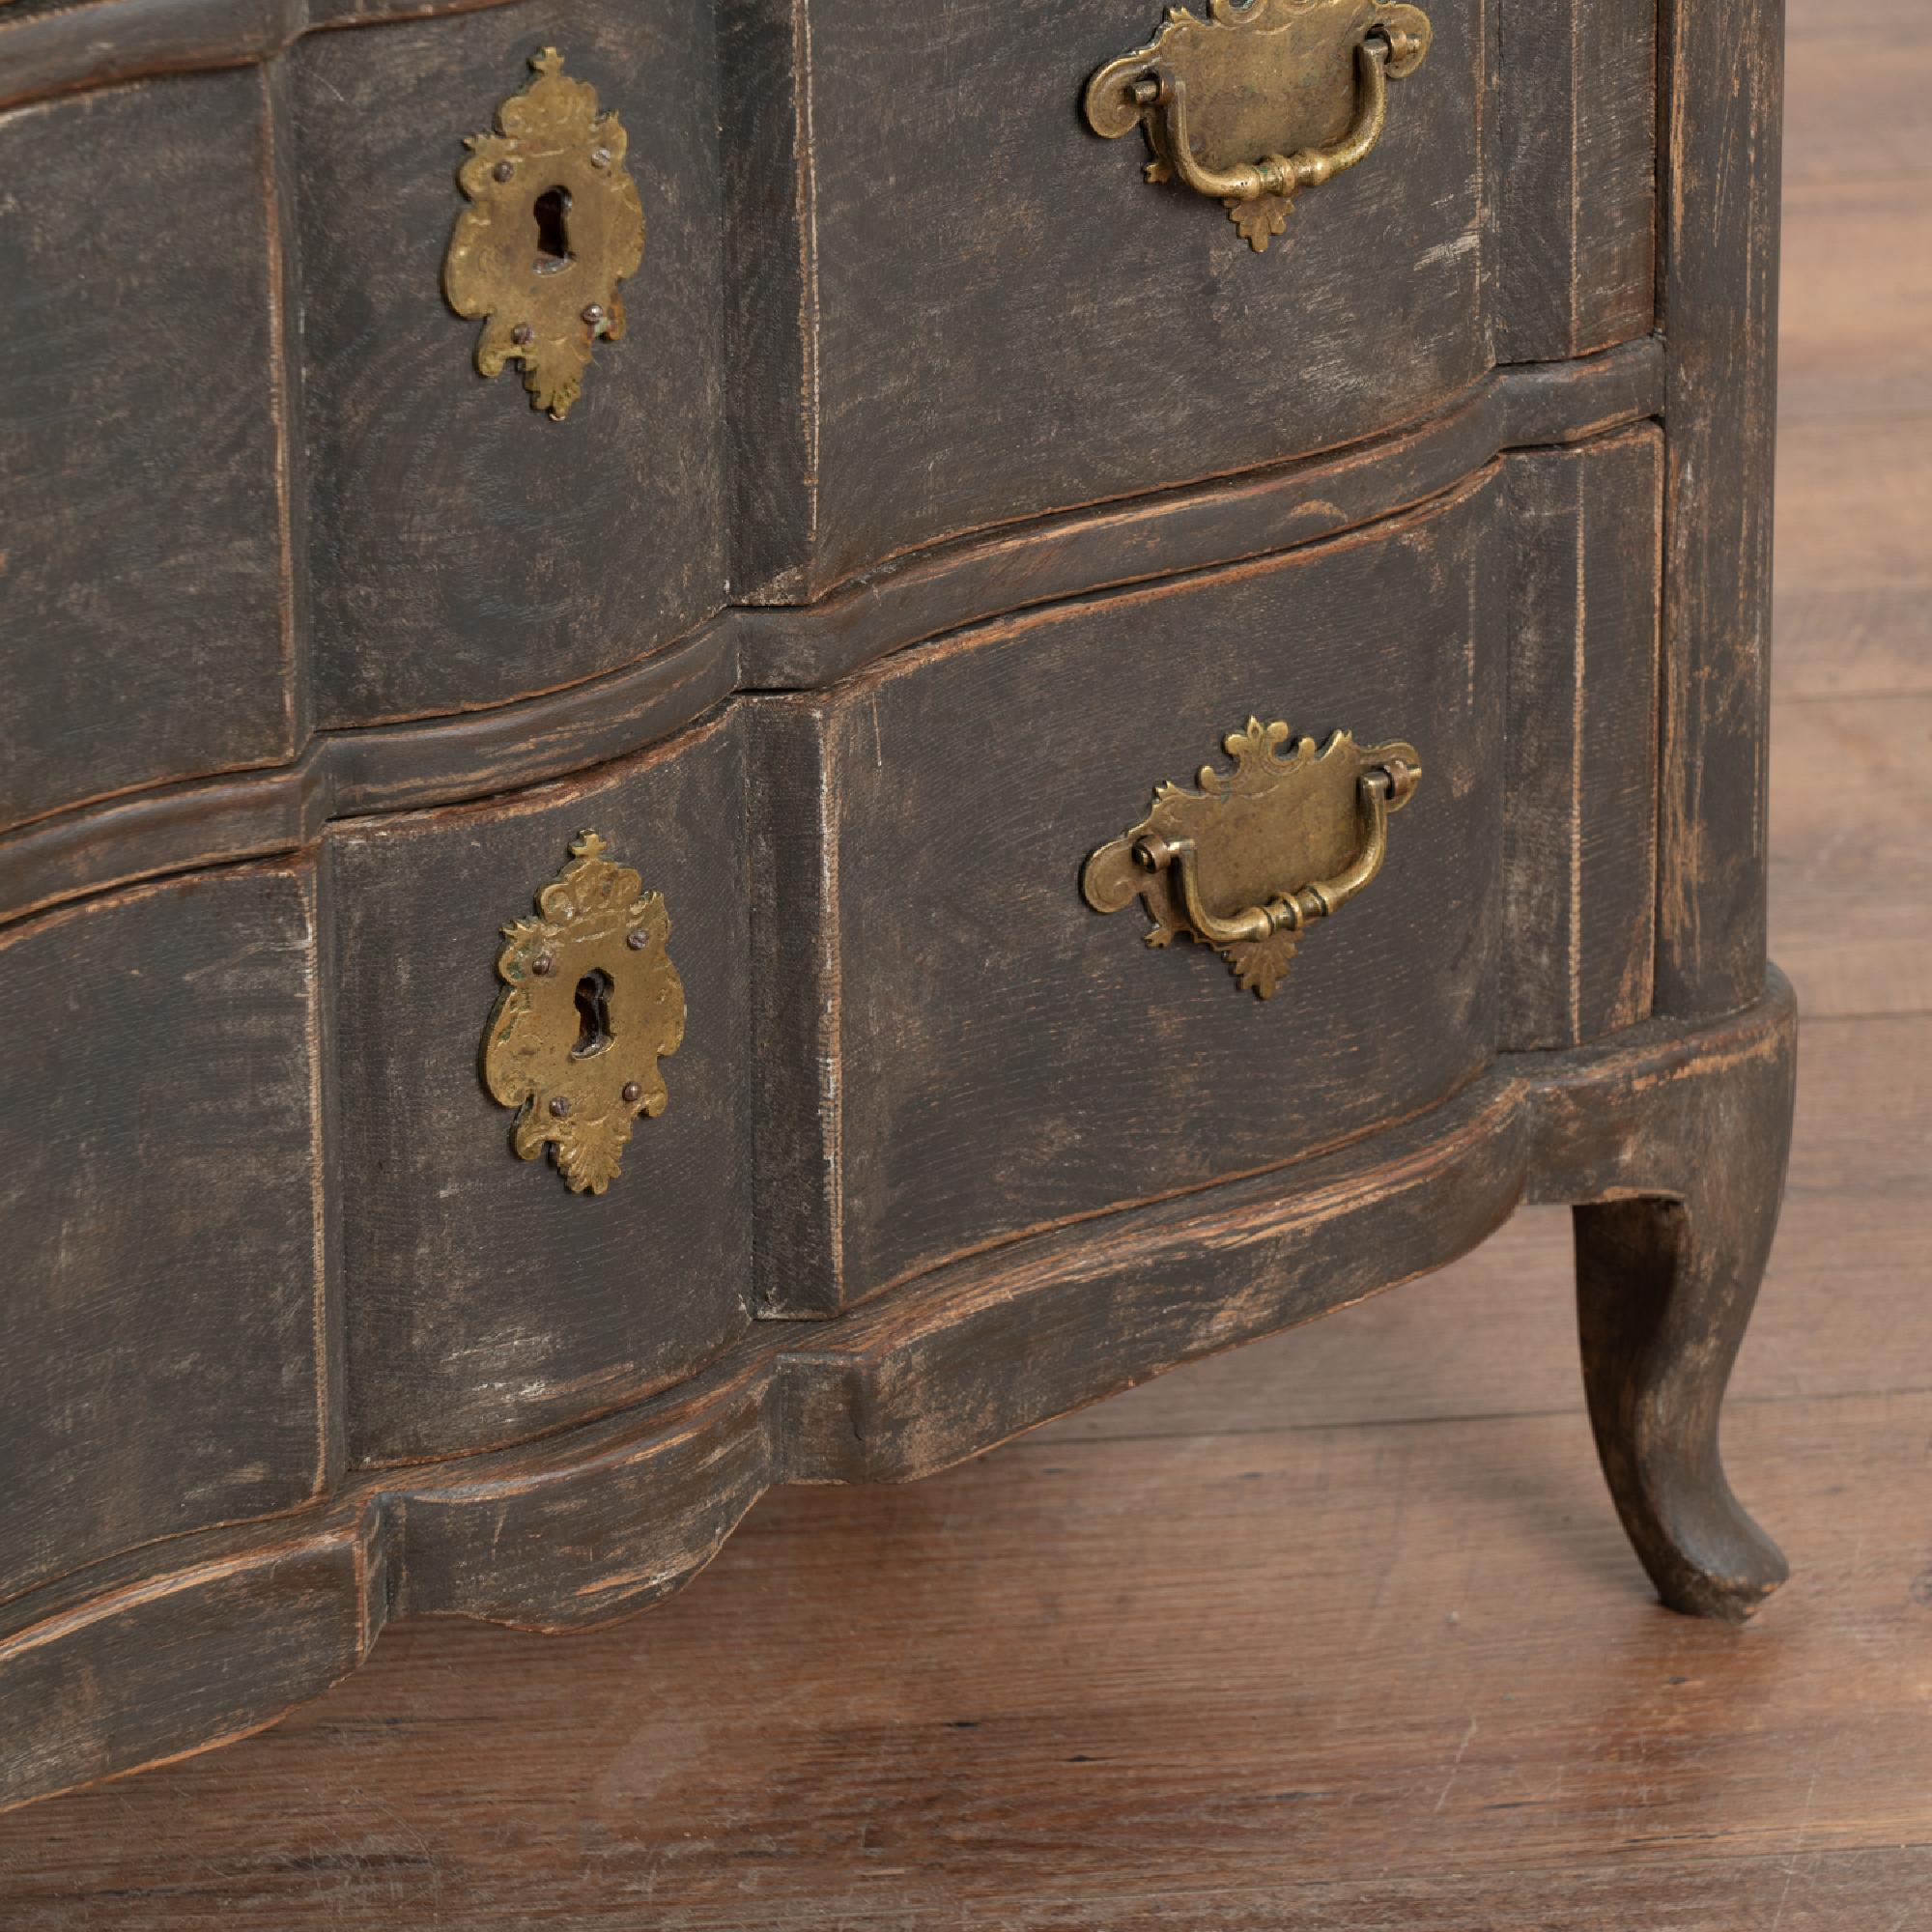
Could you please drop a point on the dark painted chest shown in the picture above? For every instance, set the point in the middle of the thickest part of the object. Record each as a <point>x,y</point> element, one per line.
<point>889,484</point>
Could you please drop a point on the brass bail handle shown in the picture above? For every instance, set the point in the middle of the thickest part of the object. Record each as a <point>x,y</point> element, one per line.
<point>1288,808</point>
<point>1245,103</point>
<point>1166,92</point>
<point>1292,908</point>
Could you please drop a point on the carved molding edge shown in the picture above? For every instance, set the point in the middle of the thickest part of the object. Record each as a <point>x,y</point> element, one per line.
<point>502,1536</point>
<point>357,771</point>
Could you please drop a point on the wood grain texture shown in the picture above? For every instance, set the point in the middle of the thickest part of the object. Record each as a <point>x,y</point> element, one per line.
<point>1853,344</point>
<point>1854,610</point>
<point>613,1516</point>
<point>1301,502</point>
<point>797,997</point>
<point>771,311</point>
<point>486,1302</point>
<point>1720,241</point>
<point>353,773</point>
<point>1001,1058</point>
<point>1579,812</point>
<point>1000,240</point>
<point>1047,1691</point>
<point>1852,826</point>
<point>464,549</point>
<point>140,566</point>
<point>1841,1316</point>
<point>159,1219</point>
<point>67,46</point>
<point>286,396</point>
<point>305,1613</point>
<point>1847,122</point>
<point>1854,593</point>
<point>395,767</point>
<point>1335,1631</point>
<point>1577,173</point>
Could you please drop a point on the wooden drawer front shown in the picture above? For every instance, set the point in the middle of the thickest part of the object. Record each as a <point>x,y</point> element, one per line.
<point>164,1366</point>
<point>464,549</point>
<point>972,1051</point>
<point>956,306</point>
<point>143,614</point>
<point>484,1301</point>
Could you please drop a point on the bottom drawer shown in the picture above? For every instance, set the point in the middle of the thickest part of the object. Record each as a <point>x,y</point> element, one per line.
<point>986,1053</point>
<point>165,1365</point>
<point>483,1300</point>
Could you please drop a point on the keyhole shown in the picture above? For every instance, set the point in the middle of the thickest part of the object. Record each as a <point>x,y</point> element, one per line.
<point>593,1014</point>
<point>553,233</point>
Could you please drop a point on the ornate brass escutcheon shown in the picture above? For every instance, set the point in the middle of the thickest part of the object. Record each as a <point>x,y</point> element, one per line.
<point>1260,101</point>
<point>1221,864</point>
<point>590,999</point>
<point>556,225</point>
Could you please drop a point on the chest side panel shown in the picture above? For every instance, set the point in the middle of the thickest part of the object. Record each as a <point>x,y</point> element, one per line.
<point>1576,176</point>
<point>1579,888</point>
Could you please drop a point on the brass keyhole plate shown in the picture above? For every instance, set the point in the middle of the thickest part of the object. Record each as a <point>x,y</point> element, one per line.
<point>590,1003</point>
<point>554,226</point>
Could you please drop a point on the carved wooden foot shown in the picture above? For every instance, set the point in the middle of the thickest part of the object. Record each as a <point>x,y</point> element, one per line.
<point>1667,1272</point>
<point>1663,1291</point>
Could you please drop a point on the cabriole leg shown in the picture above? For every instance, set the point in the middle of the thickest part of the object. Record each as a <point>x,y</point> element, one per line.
<point>1664,1290</point>
<point>1679,1156</point>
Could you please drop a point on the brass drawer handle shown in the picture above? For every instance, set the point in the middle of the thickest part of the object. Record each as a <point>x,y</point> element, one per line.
<point>1325,811</point>
<point>1289,911</point>
<point>1215,95</point>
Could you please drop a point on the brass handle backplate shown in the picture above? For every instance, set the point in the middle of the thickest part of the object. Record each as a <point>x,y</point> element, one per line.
<point>1258,101</point>
<point>554,225</point>
<point>1250,860</point>
<point>590,1002</point>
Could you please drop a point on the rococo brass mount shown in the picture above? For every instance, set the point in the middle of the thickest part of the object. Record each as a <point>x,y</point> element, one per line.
<point>1317,816</point>
<point>556,224</point>
<point>1260,101</point>
<point>590,1001</point>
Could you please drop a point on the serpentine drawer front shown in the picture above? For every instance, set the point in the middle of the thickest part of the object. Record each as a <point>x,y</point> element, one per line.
<point>1009,1059</point>
<point>942,206</point>
<point>484,1299</point>
<point>747,740</point>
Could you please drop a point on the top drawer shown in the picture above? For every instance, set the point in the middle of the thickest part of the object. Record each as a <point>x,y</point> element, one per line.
<point>957,305</point>
<point>259,486</point>
<point>463,549</point>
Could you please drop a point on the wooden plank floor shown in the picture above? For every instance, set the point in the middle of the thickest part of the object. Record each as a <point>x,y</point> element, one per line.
<point>1336,1631</point>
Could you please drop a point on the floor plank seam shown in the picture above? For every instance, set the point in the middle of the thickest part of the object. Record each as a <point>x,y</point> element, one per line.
<point>1737,1400</point>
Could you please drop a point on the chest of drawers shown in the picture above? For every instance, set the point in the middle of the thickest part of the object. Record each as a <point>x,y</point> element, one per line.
<point>613,582</point>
